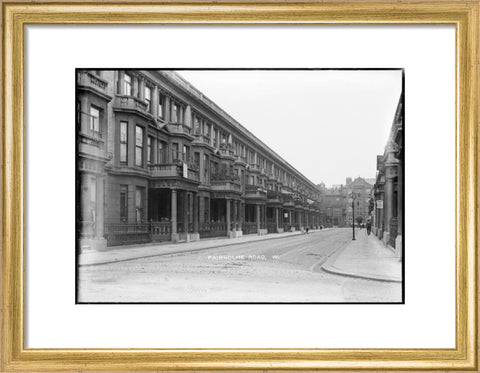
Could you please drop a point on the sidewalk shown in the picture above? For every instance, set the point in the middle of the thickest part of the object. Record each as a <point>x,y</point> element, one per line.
<point>366,257</point>
<point>124,253</point>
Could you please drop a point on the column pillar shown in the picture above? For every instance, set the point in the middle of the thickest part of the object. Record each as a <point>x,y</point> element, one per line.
<point>388,203</point>
<point>188,116</point>
<point>398,240</point>
<point>141,90</point>
<point>257,217</point>
<point>209,216</point>
<point>167,109</point>
<point>119,89</point>
<point>201,209</point>
<point>210,127</point>
<point>84,119</point>
<point>173,217</point>
<point>242,215</point>
<point>185,212</point>
<point>99,208</point>
<point>228,217</point>
<point>235,214</point>
<point>134,88</point>
<point>195,213</point>
<point>276,218</point>
<point>155,102</point>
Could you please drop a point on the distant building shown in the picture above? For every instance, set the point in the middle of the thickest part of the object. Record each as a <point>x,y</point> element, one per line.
<point>332,205</point>
<point>361,189</point>
<point>388,214</point>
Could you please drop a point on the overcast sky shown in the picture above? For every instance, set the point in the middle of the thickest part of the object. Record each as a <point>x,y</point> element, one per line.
<point>328,124</point>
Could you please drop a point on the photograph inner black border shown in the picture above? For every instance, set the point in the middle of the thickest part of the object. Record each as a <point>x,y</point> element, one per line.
<point>77,181</point>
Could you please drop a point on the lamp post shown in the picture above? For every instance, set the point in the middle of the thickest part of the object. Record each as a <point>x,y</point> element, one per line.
<point>352,199</point>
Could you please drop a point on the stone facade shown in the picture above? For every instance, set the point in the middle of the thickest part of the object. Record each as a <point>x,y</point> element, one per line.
<point>388,191</point>
<point>333,206</point>
<point>158,161</point>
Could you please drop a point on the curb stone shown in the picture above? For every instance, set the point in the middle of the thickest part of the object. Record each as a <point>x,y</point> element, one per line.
<point>329,267</point>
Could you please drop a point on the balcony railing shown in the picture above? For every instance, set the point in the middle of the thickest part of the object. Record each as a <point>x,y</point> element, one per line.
<point>240,158</point>
<point>179,128</point>
<point>163,170</point>
<point>224,176</point>
<point>271,194</point>
<point>255,191</point>
<point>217,229</point>
<point>193,175</point>
<point>202,138</point>
<point>254,167</point>
<point>249,228</point>
<point>161,231</point>
<point>180,158</point>
<point>254,188</point>
<point>172,170</point>
<point>226,186</point>
<point>131,103</point>
<point>227,150</point>
<point>87,79</point>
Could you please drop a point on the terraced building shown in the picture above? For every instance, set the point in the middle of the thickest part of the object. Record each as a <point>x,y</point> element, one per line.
<point>159,161</point>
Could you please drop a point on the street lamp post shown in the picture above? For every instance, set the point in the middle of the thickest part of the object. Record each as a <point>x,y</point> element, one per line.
<point>353,197</point>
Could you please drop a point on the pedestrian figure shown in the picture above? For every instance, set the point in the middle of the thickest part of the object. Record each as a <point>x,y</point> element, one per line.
<point>306,230</point>
<point>369,227</point>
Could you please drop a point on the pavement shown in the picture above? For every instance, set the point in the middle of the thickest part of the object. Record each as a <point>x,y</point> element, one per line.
<point>366,257</point>
<point>132,252</point>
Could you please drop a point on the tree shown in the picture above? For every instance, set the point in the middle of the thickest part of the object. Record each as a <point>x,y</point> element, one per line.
<point>371,205</point>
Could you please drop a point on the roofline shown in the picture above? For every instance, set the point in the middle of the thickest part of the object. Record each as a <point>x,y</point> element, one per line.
<point>190,89</point>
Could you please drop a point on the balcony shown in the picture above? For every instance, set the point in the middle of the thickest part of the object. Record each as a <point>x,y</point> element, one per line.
<point>240,159</point>
<point>91,82</point>
<point>163,170</point>
<point>288,200</point>
<point>131,103</point>
<point>253,167</point>
<point>179,158</point>
<point>226,186</point>
<point>225,176</point>
<point>271,177</point>
<point>201,139</point>
<point>226,150</point>
<point>274,197</point>
<point>271,194</point>
<point>167,171</point>
<point>180,129</point>
<point>255,191</point>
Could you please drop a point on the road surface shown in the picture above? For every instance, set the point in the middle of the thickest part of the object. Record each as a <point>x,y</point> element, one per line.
<point>280,270</point>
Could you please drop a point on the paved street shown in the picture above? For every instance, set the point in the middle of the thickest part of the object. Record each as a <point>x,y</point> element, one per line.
<point>279,270</point>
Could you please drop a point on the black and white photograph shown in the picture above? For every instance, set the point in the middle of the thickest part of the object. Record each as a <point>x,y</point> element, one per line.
<point>240,185</point>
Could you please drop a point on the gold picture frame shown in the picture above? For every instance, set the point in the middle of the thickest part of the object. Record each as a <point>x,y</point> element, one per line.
<point>16,15</point>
